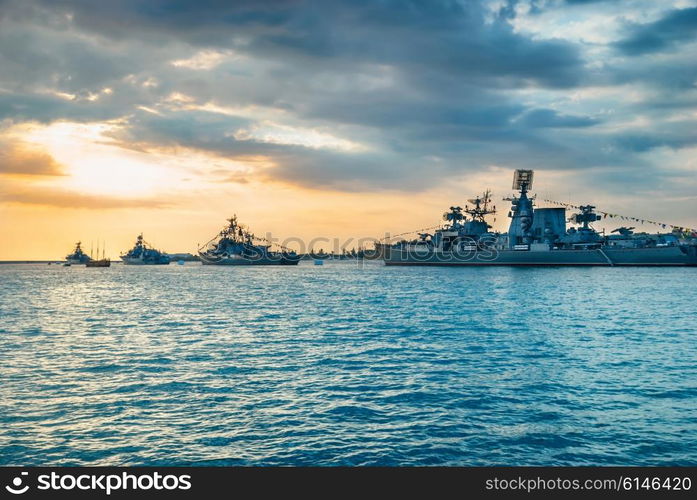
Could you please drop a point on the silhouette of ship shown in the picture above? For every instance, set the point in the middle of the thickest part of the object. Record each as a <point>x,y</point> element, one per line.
<point>143,254</point>
<point>537,237</point>
<point>234,245</point>
<point>78,256</point>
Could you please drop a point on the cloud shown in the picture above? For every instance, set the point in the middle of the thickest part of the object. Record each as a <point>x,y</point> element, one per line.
<point>19,158</point>
<point>399,95</point>
<point>548,118</point>
<point>54,197</point>
<point>679,135</point>
<point>676,27</point>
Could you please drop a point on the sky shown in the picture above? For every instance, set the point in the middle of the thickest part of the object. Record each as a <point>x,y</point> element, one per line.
<point>334,119</point>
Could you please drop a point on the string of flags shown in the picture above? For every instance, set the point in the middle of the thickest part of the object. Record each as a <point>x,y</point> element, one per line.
<point>681,229</point>
<point>408,232</point>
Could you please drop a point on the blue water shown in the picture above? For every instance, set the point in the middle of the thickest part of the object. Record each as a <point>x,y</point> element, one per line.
<point>347,365</point>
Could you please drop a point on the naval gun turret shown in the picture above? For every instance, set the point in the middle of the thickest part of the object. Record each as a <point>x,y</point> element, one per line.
<point>624,231</point>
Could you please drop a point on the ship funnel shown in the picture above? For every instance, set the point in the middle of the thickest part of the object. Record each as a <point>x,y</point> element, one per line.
<point>522,179</point>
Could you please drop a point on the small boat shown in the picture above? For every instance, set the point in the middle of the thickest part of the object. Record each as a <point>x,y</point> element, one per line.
<point>103,262</point>
<point>67,264</point>
<point>98,263</point>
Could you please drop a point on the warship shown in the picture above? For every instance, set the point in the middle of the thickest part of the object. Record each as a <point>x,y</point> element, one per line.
<point>143,254</point>
<point>234,245</point>
<point>537,237</point>
<point>78,256</point>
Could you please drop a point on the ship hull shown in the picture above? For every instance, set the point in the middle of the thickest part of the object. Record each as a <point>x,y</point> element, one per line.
<point>98,263</point>
<point>131,261</point>
<point>658,257</point>
<point>242,261</point>
<point>77,262</point>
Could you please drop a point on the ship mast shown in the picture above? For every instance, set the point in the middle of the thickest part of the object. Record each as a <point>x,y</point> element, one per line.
<point>521,210</point>
<point>481,207</point>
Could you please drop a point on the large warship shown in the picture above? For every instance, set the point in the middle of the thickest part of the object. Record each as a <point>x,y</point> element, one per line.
<point>234,245</point>
<point>78,256</point>
<point>143,253</point>
<point>537,237</point>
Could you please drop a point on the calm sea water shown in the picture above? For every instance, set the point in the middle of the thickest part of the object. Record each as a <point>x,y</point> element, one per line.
<point>347,365</point>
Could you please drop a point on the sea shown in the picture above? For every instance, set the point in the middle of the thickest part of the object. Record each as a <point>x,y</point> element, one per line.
<point>347,364</point>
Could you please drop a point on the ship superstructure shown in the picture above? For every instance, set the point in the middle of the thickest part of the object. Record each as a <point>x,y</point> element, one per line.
<point>537,236</point>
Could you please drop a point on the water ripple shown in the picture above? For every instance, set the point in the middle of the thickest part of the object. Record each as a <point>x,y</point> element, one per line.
<point>346,365</point>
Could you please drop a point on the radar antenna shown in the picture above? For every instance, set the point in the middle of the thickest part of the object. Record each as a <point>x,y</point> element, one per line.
<point>481,206</point>
<point>522,180</point>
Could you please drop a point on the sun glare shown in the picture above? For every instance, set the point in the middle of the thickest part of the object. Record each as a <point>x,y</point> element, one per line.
<point>95,164</point>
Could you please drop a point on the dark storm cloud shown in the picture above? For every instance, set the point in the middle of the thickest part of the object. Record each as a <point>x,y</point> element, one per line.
<point>674,28</point>
<point>548,118</point>
<point>446,35</point>
<point>675,75</point>
<point>585,2</point>
<point>451,38</point>
<point>431,89</point>
<point>674,136</point>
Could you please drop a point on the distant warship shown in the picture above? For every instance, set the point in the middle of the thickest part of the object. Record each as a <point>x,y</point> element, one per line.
<point>143,254</point>
<point>235,246</point>
<point>536,237</point>
<point>78,256</point>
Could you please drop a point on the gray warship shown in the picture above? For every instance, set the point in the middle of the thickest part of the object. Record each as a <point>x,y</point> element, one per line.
<point>234,245</point>
<point>143,253</point>
<point>536,237</point>
<point>78,256</point>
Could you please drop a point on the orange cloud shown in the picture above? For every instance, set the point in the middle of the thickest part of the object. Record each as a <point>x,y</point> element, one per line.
<point>20,158</point>
<point>68,199</point>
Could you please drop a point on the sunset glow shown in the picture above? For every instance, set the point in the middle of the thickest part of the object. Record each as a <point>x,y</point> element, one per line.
<point>127,123</point>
